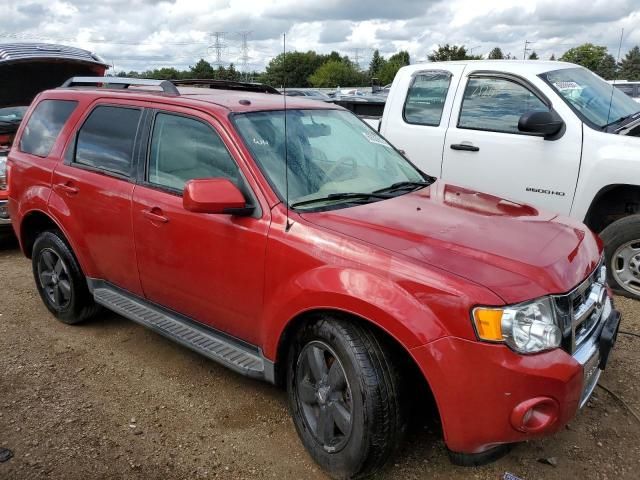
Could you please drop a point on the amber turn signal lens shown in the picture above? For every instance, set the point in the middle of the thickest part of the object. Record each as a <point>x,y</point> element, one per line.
<point>488,324</point>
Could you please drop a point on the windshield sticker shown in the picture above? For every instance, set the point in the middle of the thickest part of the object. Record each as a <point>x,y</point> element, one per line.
<point>373,138</point>
<point>566,85</point>
<point>260,141</point>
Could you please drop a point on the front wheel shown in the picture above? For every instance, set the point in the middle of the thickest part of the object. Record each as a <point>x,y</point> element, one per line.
<point>622,252</point>
<point>344,396</point>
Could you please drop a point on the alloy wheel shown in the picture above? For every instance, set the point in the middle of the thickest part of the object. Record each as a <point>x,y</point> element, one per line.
<point>54,278</point>
<point>625,266</point>
<point>324,395</point>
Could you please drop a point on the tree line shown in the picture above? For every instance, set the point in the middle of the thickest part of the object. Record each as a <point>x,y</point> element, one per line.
<point>312,69</point>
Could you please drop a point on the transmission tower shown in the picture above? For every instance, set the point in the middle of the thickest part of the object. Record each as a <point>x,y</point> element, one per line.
<point>219,47</point>
<point>356,57</point>
<point>244,53</point>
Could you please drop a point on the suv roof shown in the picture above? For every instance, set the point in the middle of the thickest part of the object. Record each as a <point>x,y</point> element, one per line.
<point>233,99</point>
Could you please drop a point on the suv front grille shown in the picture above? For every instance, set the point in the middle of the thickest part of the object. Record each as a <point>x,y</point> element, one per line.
<point>580,310</point>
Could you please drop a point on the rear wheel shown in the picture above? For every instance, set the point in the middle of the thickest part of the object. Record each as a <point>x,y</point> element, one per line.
<point>344,396</point>
<point>60,282</point>
<point>622,251</point>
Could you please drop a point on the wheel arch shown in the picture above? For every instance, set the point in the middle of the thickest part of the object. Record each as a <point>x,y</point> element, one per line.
<point>406,360</point>
<point>611,203</point>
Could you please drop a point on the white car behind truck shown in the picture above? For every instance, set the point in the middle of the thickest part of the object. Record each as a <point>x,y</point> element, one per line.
<point>550,134</point>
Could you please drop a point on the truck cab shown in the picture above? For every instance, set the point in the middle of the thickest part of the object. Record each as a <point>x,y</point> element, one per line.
<point>550,134</point>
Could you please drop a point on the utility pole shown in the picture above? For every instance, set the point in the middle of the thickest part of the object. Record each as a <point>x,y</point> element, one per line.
<point>244,53</point>
<point>219,47</point>
<point>526,48</point>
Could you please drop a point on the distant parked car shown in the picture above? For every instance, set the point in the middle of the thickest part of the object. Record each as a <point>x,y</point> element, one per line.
<point>26,69</point>
<point>630,88</point>
<point>310,94</point>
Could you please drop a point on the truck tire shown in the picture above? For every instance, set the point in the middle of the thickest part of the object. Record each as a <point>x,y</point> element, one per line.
<point>344,397</point>
<point>622,253</point>
<point>59,279</point>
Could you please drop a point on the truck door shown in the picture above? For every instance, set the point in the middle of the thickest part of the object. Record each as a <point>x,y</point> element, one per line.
<point>416,121</point>
<point>485,150</point>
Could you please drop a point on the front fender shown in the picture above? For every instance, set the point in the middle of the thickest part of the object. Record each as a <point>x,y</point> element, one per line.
<point>378,300</point>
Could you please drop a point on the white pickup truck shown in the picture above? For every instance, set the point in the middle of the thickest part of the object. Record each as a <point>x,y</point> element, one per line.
<point>550,134</point>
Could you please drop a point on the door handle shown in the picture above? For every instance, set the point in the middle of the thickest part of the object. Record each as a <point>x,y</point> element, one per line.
<point>67,188</point>
<point>467,147</point>
<point>155,215</point>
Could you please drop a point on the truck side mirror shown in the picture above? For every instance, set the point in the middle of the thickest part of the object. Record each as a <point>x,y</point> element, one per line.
<point>547,124</point>
<point>214,195</point>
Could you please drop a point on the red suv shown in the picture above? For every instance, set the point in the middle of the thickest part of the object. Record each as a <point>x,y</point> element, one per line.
<point>297,246</point>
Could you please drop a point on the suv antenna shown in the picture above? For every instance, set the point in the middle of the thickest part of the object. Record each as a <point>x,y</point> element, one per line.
<point>286,149</point>
<point>613,86</point>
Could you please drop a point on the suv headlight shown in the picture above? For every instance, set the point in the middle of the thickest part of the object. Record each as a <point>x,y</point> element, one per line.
<point>3,172</point>
<point>529,327</point>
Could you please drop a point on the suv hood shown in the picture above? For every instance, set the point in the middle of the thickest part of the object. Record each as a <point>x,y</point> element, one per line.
<point>517,251</point>
<point>27,69</point>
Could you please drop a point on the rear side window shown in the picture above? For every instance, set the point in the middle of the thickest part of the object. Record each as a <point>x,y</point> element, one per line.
<point>107,137</point>
<point>496,105</point>
<point>426,97</point>
<point>44,126</point>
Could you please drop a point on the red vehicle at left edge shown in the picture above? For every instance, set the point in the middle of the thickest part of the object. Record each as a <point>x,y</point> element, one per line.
<point>299,247</point>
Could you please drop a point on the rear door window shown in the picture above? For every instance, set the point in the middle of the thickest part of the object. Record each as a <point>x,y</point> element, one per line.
<point>107,138</point>
<point>45,125</point>
<point>426,97</point>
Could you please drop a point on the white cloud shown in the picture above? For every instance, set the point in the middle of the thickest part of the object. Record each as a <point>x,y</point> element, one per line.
<point>142,34</point>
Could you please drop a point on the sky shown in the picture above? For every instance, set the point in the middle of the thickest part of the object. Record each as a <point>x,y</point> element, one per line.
<point>148,34</point>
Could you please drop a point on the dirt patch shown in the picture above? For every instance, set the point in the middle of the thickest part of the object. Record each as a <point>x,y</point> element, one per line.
<point>109,399</point>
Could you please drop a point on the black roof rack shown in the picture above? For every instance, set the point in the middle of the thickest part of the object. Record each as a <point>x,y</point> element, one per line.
<point>226,85</point>
<point>121,82</point>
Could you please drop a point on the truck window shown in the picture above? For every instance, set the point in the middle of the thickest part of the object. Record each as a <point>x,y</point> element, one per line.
<point>44,126</point>
<point>425,98</point>
<point>183,148</point>
<point>106,139</point>
<point>496,105</point>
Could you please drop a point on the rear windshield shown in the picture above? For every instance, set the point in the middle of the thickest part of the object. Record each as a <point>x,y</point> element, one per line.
<point>44,126</point>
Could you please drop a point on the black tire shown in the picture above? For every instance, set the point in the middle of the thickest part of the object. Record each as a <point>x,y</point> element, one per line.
<point>374,396</point>
<point>616,236</point>
<point>73,303</point>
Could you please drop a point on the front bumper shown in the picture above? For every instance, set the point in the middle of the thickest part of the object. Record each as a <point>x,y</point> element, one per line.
<point>483,391</point>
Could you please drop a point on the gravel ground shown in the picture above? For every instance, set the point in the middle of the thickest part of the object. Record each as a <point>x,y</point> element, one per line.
<point>109,399</point>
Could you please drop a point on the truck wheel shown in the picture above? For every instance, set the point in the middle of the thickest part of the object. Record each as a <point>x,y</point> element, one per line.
<point>60,282</point>
<point>622,252</point>
<point>344,397</point>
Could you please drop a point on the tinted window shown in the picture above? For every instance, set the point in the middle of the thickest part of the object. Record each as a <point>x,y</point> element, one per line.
<point>496,104</point>
<point>106,139</point>
<point>628,89</point>
<point>425,99</point>
<point>183,148</point>
<point>44,126</point>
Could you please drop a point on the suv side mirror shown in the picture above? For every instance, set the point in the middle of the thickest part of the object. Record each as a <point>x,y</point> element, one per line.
<point>214,195</point>
<point>544,123</point>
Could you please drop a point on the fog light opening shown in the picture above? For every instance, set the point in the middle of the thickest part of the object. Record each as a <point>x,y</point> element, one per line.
<point>535,415</point>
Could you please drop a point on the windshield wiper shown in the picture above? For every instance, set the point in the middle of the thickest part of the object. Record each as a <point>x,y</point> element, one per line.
<point>342,196</point>
<point>621,119</point>
<point>406,185</point>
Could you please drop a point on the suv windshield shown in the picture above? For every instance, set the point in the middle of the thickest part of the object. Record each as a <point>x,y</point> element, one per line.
<point>595,101</point>
<point>333,158</point>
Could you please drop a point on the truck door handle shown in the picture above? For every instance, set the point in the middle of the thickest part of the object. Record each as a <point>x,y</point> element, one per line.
<point>67,188</point>
<point>464,146</point>
<point>155,215</point>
